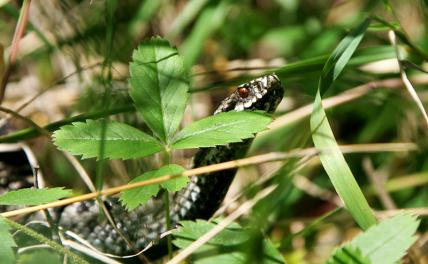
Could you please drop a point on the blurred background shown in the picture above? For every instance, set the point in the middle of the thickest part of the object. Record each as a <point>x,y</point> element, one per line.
<point>73,58</point>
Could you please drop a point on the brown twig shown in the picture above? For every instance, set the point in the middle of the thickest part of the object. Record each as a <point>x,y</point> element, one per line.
<point>269,157</point>
<point>87,180</point>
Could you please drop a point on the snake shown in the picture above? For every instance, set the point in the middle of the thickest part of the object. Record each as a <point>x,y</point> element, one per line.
<point>133,231</point>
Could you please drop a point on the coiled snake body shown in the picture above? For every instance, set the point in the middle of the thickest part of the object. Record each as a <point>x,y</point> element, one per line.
<point>199,199</point>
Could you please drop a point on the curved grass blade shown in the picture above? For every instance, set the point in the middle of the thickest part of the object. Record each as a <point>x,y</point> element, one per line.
<point>331,157</point>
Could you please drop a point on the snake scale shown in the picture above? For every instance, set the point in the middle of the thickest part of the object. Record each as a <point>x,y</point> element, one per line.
<point>198,200</point>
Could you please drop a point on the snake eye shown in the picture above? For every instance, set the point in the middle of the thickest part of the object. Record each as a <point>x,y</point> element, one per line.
<point>243,92</point>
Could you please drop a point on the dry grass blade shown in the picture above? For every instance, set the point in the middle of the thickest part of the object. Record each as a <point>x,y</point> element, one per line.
<point>404,77</point>
<point>87,180</point>
<point>389,213</point>
<point>81,171</point>
<point>378,183</point>
<point>312,189</point>
<point>269,157</point>
<point>264,178</point>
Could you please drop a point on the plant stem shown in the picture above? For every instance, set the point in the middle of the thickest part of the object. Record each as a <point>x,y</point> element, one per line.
<point>167,160</point>
<point>76,258</point>
<point>19,32</point>
<point>168,221</point>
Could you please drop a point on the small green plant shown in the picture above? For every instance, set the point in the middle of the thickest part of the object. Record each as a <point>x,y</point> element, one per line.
<point>159,89</point>
<point>301,33</point>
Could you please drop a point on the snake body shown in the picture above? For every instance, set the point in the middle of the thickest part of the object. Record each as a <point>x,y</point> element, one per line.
<point>198,200</point>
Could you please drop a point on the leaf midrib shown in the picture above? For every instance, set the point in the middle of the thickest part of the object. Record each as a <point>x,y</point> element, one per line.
<point>206,130</point>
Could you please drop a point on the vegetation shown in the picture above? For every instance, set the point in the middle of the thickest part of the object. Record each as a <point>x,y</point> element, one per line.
<point>336,175</point>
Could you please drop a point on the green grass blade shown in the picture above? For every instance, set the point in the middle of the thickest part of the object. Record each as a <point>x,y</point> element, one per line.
<point>210,20</point>
<point>188,13</point>
<point>341,56</point>
<point>331,157</point>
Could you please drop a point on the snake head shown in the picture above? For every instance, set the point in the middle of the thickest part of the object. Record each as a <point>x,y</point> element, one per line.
<point>263,93</point>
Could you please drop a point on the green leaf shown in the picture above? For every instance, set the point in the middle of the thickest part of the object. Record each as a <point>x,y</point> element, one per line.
<point>121,141</point>
<point>341,56</point>
<point>134,197</point>
<point>348,254</point>
<point>388,241</point>
<point>221,129</point>
<point>31,196</point>
<point>210,19</point>
<point>159,86</point>
<point>330,155</point>
<point>226,247</point>
<point>7,243</point>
